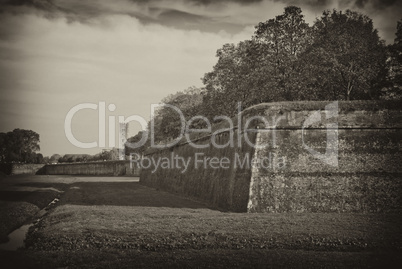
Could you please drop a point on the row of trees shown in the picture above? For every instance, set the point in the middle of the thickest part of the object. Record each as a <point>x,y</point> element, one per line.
<point>105,155</point>
<point>394,64</point>
<point>21,146</point>
<point>340,57</point>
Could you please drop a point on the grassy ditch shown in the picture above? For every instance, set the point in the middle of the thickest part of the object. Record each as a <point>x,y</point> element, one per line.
<point>126,225</point>
<point>13,215</point>
<point>19,207</point>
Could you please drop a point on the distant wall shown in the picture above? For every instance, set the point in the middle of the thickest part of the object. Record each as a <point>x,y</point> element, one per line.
<point>106,168</point>
<point>367,178</point>
<point>25,168</point>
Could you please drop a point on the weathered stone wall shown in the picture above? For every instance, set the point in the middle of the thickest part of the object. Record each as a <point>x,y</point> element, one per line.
<point>226,189</point>
<point>291,178</point>
<point>366,179</point>
<point>25,168</point>
<point>107,168</point>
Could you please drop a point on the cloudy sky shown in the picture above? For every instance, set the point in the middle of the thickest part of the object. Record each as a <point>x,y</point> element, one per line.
<point>56,54</point>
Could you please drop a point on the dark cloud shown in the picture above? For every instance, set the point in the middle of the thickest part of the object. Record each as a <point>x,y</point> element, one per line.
<point>177,17</point>
<point>316,5</point>
<point>209,15</point>
<point>320,3</point>
<point>147,11</point>
<point>377,4</point>
<point>209,2</point>
<point>205,2</point>
<point>361,3</point>
<point>190,21</point>
<point>39,4</point>
<point>325,4</point>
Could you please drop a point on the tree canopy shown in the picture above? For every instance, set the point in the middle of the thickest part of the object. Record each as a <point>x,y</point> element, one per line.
<point>339,57</point>
<point>20,146</point>
<point>394,76</point>
<point>346,61</point>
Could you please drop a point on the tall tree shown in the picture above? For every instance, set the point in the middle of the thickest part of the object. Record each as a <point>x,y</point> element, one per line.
<point>232,80</point>
<point>19,145</point>
<point>3,147</point>
<point>54,158</point>
<point>263,69</point>
<point>347,59</point>
<point>282,40</point>
<point>132,141</point>
<point>39,158</point>
<point>394,90</point>
<point>168,122</point>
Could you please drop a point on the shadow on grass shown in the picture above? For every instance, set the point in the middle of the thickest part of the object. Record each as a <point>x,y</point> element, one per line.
<point>40,199</point>
<point>124,194</point>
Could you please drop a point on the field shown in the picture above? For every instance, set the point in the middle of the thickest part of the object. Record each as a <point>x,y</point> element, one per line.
<point>125,224</point>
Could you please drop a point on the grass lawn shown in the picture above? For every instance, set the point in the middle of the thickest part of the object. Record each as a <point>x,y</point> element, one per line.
<point>72,227</point>
<point>126,225</point>
<point>208,258</point>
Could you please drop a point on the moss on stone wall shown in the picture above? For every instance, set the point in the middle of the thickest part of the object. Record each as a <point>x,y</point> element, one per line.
<point>366,177</point>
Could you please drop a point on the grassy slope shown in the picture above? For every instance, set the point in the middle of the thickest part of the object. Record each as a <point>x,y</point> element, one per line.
<point>18,207</point>
<point>73,227</point>
<point>13,215</point>
<point>121,225</point>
